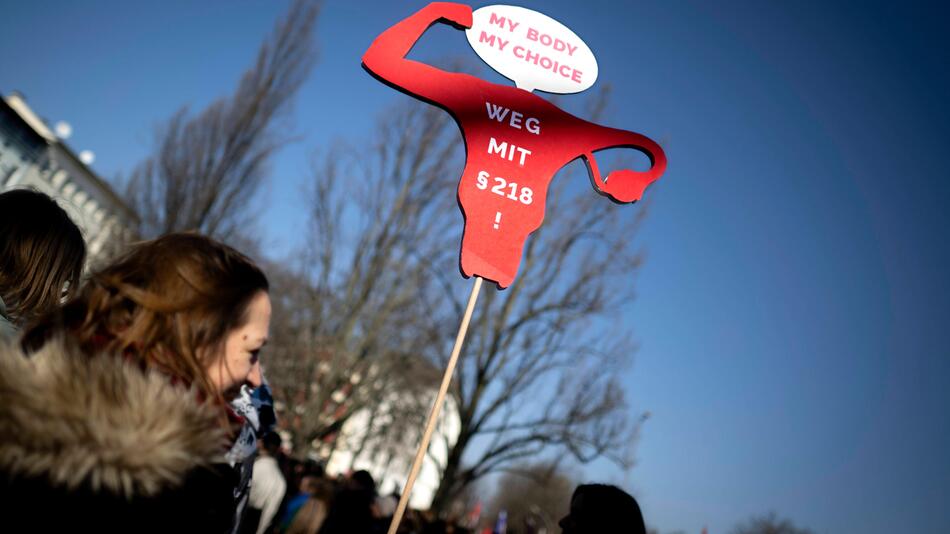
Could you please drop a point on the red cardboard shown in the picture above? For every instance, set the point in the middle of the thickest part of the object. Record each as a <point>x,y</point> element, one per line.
<point>515,142</point>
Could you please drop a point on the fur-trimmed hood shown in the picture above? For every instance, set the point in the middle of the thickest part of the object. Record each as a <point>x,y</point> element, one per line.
<point>99,423</point>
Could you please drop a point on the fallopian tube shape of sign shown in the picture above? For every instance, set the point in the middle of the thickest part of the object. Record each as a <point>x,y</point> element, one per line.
<point>516,141</point>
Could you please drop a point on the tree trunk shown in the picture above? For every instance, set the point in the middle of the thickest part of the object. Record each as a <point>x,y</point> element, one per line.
<point>448,486</point>
<point>366,436</point>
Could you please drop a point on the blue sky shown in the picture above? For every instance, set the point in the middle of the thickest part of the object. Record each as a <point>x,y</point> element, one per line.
<point>793,311</point>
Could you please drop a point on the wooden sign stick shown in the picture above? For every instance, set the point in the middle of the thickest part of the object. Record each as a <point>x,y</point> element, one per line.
<point>436,408</point>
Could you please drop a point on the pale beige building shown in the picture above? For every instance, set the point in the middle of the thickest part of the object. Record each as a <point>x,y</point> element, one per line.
<point>389,458</point>
<point>32,156</point>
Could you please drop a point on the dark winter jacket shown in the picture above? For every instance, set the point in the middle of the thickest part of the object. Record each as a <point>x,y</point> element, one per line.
<point>94,444</point>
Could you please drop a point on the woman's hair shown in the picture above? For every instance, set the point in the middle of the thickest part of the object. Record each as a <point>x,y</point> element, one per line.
<point>41,254</point>
<point>309,518</point>
<point>167,304</point>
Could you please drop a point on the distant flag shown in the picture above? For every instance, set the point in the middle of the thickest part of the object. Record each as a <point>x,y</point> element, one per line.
<point>474,515</point>
<point>501,526</point>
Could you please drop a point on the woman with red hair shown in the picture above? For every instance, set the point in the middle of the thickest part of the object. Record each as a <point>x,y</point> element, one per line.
<point>118,418</point>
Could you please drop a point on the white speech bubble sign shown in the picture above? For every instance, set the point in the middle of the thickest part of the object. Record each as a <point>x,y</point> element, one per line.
<point>532,49</point>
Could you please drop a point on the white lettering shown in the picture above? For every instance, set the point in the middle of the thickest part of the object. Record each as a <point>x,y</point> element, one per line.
<point>496,112</point>
<point>515,119</point>
<point>533,125</point>
<point>482,180</point>
<point>500,149</point>
<point>522,194</point>
<point>524,153</point>
<point>506,151</point>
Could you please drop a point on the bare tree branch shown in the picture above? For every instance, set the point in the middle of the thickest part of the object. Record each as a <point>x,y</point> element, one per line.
<point>377,307</point>
<point>376,225</point>
<point>207,167</point>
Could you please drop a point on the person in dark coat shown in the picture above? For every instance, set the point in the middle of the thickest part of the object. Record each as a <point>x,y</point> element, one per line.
<point>115,412</point>
<point>98,445</point>
<point>351,511</point>
<point>602,509</point>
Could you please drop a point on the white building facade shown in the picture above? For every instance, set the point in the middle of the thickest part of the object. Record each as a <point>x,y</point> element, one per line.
<point>33,157</point>
<point>389,457</point>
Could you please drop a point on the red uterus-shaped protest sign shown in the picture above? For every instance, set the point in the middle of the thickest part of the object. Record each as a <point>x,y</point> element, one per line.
<point>515,140</point>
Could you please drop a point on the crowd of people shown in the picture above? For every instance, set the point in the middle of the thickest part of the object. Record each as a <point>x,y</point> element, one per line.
<point>132,399</point>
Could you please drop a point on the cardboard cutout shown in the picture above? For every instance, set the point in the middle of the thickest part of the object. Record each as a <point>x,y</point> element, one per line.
<point>515,140</point>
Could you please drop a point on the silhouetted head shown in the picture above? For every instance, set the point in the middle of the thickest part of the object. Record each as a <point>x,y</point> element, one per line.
<point>364,481</point>
<point>602,509</point>
<point>352,508</point>
<point>313,468</point>
<point>41,254</point>
<point>271,443</point>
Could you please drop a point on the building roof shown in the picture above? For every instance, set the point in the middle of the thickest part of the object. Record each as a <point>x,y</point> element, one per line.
<point>17,103</point>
